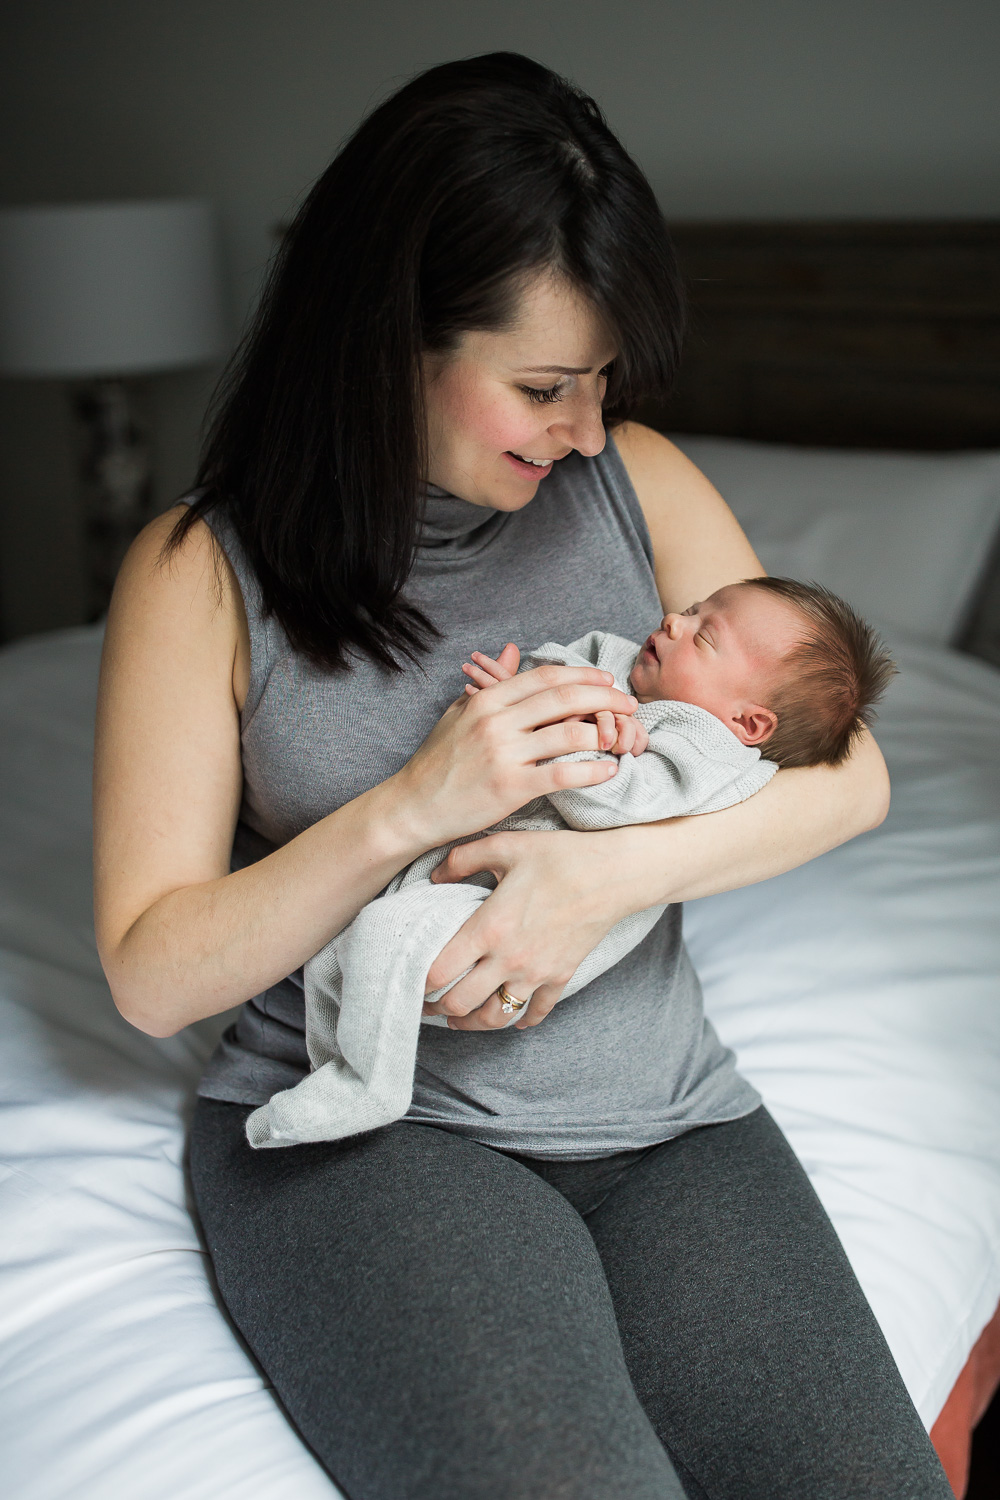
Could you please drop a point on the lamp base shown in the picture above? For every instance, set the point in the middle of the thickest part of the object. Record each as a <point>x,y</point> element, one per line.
<point>115,480</point>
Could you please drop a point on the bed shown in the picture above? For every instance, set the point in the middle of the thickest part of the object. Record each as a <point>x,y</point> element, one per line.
<point>860,992</point>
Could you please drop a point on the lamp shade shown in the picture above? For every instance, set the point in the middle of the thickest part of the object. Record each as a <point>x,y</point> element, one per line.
<point>108,289</point>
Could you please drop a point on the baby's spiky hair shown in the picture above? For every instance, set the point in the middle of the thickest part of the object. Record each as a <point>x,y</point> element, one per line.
<point>828,684</point>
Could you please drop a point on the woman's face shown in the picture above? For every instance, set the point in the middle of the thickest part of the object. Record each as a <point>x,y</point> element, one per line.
<point>533,391</point>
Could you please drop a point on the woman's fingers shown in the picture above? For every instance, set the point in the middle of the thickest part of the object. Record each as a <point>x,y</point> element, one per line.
<point>492,855</point>
<point>551,704</point>
<point>531,933</point>
<point>480,761</point>
<point>471,992</point>
<point>545,999</point>
<point>490,1016</point>
<point>563,739</point>
<point>552,678</point>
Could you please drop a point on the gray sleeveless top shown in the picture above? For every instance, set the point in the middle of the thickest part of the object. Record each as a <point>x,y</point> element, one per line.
<point>628,1061</point>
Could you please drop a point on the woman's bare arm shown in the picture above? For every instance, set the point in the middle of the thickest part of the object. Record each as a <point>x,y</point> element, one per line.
<point>179,936</point>
<point>698,547</point>
<point>560,893</point>
<point>698,544</point>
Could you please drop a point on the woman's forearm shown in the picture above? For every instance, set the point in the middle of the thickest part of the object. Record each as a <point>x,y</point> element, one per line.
<point>205,947</point>
<point>798,815</point>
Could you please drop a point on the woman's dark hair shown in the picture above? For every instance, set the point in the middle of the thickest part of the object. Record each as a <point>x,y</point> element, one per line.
<point>424,226</point>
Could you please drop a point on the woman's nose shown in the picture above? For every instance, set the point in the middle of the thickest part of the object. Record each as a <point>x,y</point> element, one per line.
<point>584,427</point>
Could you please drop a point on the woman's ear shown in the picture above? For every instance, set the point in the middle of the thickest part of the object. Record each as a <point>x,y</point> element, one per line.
<point>754,724</point>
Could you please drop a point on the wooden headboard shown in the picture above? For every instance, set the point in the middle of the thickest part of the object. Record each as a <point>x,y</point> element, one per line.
<point>847,334</point>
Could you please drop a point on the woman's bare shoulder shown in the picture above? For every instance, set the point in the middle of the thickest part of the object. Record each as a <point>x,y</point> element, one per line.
<point>698,544</point>
<point>179,596</point>
<point>656,466</point>
<point>159,562</point>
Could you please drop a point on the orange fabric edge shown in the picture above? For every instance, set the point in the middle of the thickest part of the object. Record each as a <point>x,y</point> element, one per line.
<point>970,1396</point>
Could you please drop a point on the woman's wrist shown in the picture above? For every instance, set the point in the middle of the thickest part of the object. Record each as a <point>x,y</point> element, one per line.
<point>635,869</point>
<point>402,820</point>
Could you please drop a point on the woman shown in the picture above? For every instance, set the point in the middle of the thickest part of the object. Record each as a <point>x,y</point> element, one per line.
<point>586,1264</point>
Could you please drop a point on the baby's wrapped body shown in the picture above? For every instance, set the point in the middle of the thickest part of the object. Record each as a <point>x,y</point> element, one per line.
<point>364,991</point>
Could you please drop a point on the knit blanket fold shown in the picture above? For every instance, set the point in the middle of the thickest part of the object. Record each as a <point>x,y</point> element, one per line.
<point>364,990</point>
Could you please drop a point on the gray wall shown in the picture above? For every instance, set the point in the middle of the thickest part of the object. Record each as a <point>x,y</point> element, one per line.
<point>811,108</point>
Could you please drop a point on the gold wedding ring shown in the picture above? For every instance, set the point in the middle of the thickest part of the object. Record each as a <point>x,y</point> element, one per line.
<point>510,1004</point>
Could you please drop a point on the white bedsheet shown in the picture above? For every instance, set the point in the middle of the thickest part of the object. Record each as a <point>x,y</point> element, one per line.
<point>861,994</point>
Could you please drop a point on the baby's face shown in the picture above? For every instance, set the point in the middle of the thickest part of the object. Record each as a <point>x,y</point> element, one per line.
<point>722,655</point>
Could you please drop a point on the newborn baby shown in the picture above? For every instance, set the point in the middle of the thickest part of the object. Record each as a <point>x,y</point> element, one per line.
<point>784,666</point>
<point>765,673</point>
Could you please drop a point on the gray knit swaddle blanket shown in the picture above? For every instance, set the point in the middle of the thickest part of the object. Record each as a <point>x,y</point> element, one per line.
<point>364,991</point>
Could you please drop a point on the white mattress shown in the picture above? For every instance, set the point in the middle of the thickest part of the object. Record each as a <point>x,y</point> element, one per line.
<point>860,993</point>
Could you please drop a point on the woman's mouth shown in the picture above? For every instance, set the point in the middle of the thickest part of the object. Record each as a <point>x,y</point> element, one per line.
<point>529,468</point>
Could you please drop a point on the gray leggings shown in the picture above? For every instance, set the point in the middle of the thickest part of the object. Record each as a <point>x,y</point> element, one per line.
<point>443,1321</point>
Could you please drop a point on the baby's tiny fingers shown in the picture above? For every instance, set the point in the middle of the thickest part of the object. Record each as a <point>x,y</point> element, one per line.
<point>496,669</point>
<point>626,734</point>
<point>479,676</point>
<point>606,730</point>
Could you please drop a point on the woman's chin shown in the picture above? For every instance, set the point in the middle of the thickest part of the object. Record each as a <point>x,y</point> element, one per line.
<point>501,494</point>
<point>495,491</point>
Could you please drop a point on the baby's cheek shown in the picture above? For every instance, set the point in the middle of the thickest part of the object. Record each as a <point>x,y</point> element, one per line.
<point>638,681</point>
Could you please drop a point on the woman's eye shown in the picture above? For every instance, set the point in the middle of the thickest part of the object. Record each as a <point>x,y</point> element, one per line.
<point>554,393</point>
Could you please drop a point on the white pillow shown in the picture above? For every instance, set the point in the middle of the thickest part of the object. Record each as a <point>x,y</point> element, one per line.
<point>902,536</point>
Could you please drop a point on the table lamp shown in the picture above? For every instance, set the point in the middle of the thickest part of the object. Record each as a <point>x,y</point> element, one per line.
<point>100,294</point>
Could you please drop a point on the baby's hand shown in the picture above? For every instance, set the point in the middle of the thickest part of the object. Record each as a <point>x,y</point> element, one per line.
<point>484,671</point>
<point>618,733</point>
<point>628,734</point>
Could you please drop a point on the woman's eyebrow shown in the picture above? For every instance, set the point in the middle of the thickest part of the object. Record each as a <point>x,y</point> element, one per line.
<point>556,369</point>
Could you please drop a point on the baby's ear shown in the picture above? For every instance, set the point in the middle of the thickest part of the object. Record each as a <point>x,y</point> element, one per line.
<point>754,725</point>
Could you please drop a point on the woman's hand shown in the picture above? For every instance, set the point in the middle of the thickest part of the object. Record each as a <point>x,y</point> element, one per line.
<point>618,733</point>
<point>556,899</point>
<point>560,893</point>
<point>491,751</point>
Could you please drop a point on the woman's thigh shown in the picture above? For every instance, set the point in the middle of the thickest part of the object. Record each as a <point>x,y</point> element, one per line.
<point>749,1341</point>
<point>434,1316</point>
